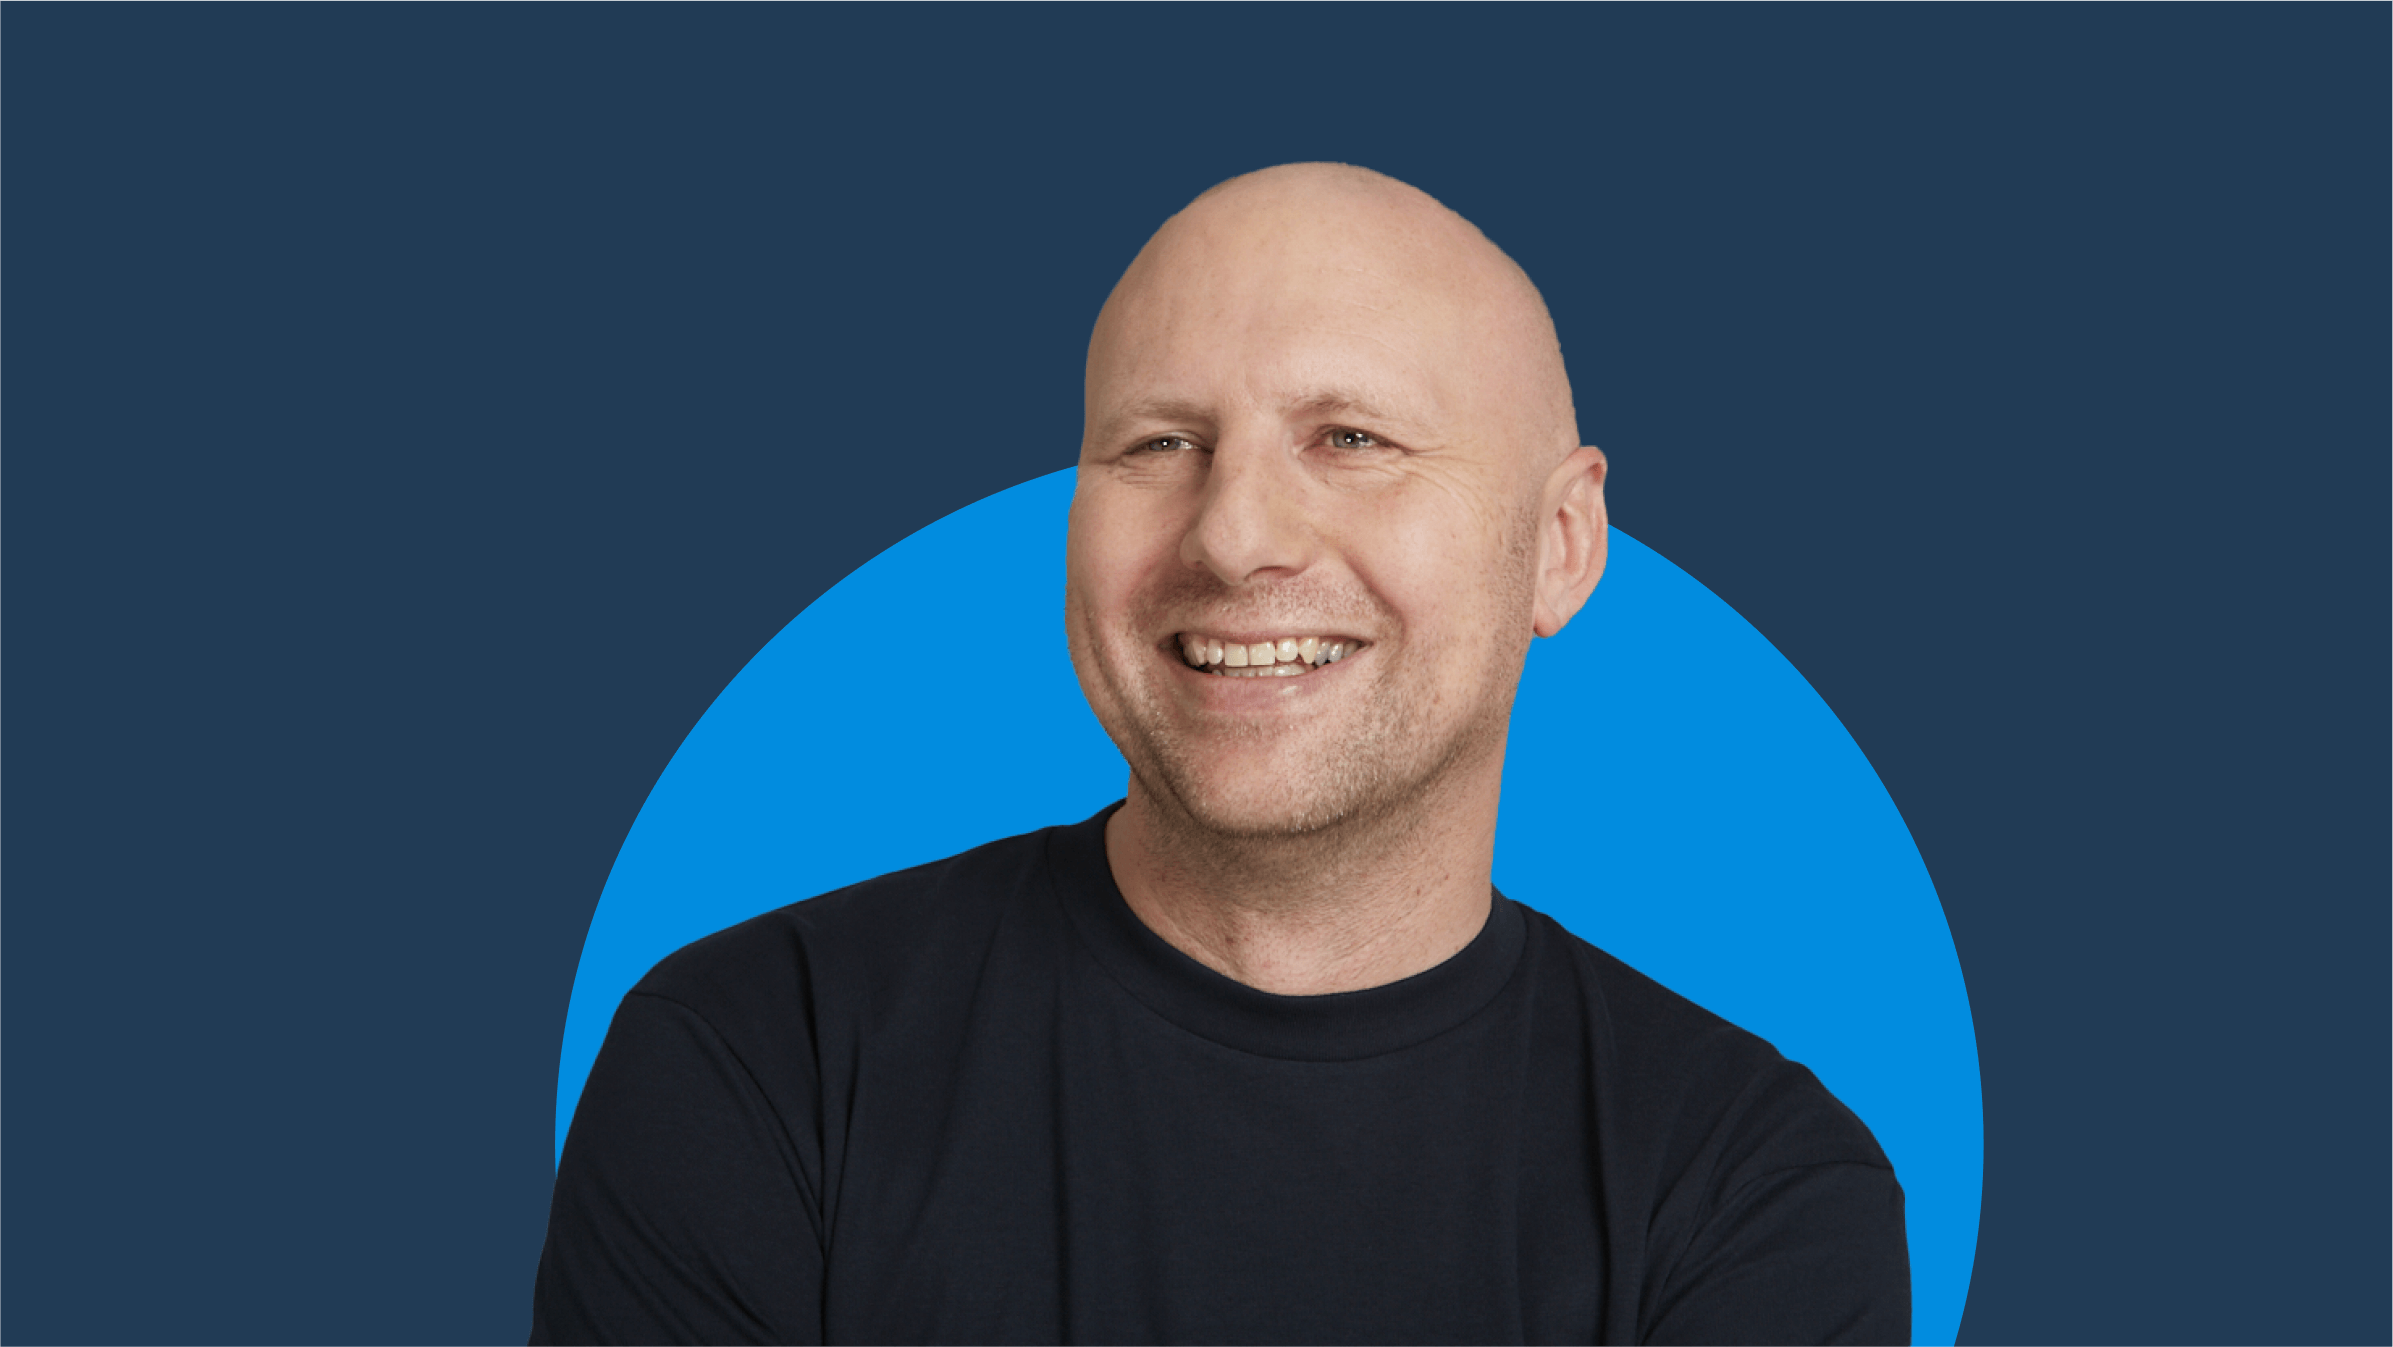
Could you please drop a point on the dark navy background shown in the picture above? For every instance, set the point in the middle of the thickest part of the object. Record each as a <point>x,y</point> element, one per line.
<point>414,416</point>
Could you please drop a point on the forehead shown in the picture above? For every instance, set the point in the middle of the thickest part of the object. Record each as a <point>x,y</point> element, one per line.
<point>1283,321</point>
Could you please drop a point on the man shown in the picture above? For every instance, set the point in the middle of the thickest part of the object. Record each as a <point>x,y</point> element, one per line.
<point>1257,1054</point>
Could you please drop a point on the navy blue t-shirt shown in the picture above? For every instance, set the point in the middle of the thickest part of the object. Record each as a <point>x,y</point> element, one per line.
<point>979,1101</point>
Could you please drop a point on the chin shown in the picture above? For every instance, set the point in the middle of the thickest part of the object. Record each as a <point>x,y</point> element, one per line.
<point>1359,764</point>
<point>1264,804</point>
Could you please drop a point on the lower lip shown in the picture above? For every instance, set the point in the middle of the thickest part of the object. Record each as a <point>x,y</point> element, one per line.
<point>1244,691</point>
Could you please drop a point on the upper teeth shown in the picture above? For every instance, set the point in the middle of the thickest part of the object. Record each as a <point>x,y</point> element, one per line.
<point>1286,656</point>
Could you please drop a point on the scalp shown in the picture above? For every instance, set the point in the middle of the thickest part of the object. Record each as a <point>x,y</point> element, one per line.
<point>1421,262</point>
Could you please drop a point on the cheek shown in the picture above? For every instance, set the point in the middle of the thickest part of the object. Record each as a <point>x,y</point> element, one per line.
<point>1455,580</point>
<point>1427,562</point>
<point>1110,551</point>
<point>1092,541</point>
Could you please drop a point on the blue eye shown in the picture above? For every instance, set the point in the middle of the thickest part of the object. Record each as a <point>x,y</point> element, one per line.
<point>1163,444</point>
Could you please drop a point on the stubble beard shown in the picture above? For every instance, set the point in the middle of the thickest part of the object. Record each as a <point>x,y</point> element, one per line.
<point>1236,784</point>
<point>1380,772</point>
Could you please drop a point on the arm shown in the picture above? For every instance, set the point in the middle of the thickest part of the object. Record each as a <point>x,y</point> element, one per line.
<point>1814,1253</point>
<point>681,1211</point>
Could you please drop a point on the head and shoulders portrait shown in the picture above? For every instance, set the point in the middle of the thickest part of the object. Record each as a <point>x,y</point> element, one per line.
<point>1258,1052</point>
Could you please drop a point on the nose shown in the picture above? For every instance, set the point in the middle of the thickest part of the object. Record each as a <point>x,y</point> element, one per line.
<point>1251,519</point>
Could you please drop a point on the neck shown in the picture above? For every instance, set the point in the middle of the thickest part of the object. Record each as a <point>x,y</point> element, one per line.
<point>1359,904</point>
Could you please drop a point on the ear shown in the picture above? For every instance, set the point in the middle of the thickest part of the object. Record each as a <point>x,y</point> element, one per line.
<point>1572,538</point>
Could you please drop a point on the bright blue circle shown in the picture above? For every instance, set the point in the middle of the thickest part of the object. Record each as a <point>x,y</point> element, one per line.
<point>1674,792</point>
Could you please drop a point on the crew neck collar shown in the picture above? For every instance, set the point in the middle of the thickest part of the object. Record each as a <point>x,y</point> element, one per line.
<point>1340,1026</point>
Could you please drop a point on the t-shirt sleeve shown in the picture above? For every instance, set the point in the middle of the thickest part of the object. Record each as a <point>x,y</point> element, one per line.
<point>1814,1253</point>
<point>681,1212</point>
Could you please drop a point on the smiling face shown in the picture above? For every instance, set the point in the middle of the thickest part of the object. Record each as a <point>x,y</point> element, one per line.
<point>1324,417</point>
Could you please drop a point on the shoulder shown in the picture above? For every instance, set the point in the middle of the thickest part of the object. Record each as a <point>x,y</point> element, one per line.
<point>857,944</point>
<point>1702,1091</point>
<point>1765,1209</point>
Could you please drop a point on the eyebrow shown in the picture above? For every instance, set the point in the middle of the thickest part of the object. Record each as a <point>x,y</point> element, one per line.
<point>1170,410</point>
<point>1350,402</point>
<point>1324,402</point>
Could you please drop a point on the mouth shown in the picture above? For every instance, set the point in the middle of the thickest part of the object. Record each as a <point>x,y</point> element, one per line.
<point>1266,657</point>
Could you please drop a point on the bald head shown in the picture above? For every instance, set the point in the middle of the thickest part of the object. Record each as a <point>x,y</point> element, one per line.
<point>1329,436</point>
<point>1341,248</point>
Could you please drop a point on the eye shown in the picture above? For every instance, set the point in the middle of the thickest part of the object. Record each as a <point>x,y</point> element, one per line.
<point>1342,438</point>
<point>1162,444</point>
